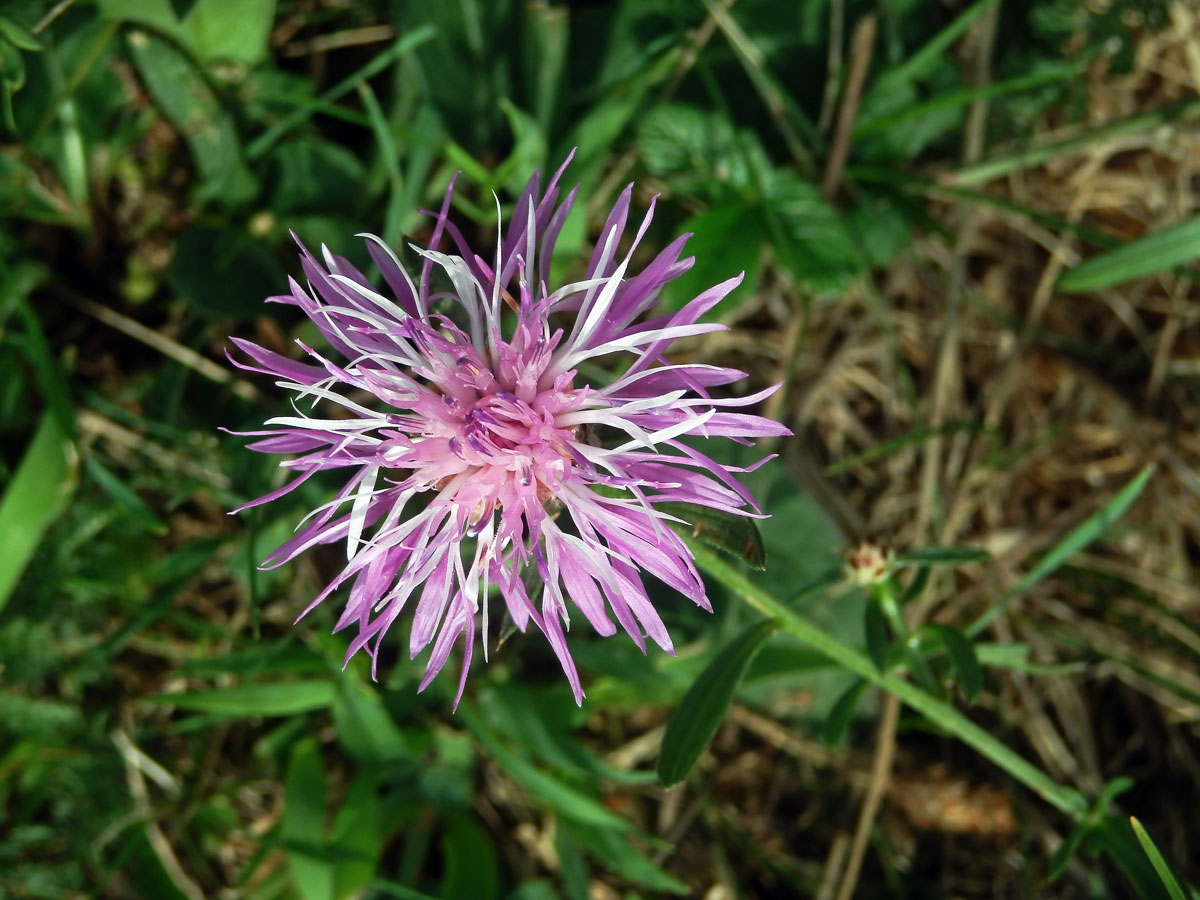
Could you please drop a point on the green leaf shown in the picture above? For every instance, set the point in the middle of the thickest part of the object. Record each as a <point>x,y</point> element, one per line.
<point>1170,882</point>
<point>245,268</point>
<point>942,556</point>
<point>737,536</point>
<point>569,801</point>
<point>1092,528</point>
<point>213,30</point>
<point>718,257</point>
<point>18,35</point>
<point>35,496</point>
<point>357,836</point>
<point>182,93</point>
<point>875,630</point>
<point>303,822</point>
<point>1066,851</point>
<point>811,238</point>
<point>363,725</point>
<point>125,496</point>
<point>838,720</point>
<point>962,654</point>
<point>1115,836</point>
<point>471,865</point>
<point>618,854</point>
<point>273,698</point>
<point>703,707</point>
<point>1156,252</point>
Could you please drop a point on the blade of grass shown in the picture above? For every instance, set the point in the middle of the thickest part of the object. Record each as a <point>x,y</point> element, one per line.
<point>866,127</point>
<point>1170,882</point>
<point>921,63</point>
<point>1092,527</point>
<point>378,64</point>
<point>885,448</point>
<point>391,163</point>
<point>1155,252</point>
<point>988,170</point>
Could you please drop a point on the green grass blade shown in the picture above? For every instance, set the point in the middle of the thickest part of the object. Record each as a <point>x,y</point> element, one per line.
<point>1153,253</point>
<point>920,64</point>
<point>272,698</point>
<point>1170,882</point>
<point>380,63</point>
<point>35,497</point>
<point>1092,528</point>
<point>1034,156</point>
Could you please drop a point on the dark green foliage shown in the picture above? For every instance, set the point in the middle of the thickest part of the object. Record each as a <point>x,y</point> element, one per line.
<point>154,155</point>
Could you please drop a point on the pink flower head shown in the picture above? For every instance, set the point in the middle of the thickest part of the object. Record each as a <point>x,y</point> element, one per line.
<point>480,456</point>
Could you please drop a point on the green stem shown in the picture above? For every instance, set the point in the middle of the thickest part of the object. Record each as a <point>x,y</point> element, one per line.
<point>1066,799</point>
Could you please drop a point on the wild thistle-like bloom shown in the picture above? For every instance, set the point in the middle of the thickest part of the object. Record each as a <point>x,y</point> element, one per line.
<point>477,454</point>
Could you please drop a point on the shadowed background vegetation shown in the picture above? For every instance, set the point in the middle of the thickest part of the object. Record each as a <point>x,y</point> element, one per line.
<point>967,231</point>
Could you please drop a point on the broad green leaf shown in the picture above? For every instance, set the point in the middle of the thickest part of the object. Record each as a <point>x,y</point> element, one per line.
<point>944,556</point>
<point>182,93</point>
<point>718,255</point>
<point>35,496</point>
<point>18,35</point>
<point>838,720</point>
<point>471,865</point>
<point>245,268</point>
<point>213,30</point>
<point>364,727</point>
<point>272,698</point>
<point>357,836</point>
<point>701,148</point>
<point>737,536</point>
<point>1170,882</point>
<point>962,654</point>
<point>303,823</point>
<point>1157,252</point>
<point>703,707</point>
<point>811,238</point>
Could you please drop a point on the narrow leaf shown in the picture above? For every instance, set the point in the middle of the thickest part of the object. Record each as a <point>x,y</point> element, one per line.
<point>962,654</point>
<point>1170,882</point>
<point>273,698</point>
<point>703,707</point>
<point>568,801</point>
<point>842,712</point>
<point>1155,252</point>
<point>942,556</point>
<point>1088,531</point>
<point>876,633</point>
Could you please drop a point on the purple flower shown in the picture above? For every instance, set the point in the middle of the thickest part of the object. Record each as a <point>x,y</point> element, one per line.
<point>478,455</point>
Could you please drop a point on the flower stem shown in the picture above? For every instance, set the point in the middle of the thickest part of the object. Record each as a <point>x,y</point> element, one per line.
<point>941,714</point>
